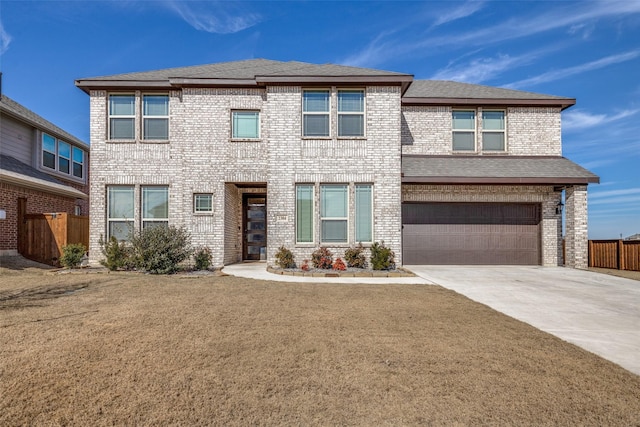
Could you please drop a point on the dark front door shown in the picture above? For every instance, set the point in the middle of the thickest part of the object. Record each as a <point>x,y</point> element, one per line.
<point>254,207</point>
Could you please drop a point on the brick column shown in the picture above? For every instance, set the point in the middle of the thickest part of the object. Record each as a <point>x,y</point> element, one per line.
<point>576,238</point>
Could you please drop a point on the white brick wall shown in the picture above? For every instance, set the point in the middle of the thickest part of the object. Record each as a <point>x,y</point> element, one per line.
<point>530,131</point>
<point>577,250</point>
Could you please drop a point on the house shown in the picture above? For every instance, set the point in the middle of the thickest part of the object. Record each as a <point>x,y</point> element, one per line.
<point>43,169</point>
<point>253,155</point>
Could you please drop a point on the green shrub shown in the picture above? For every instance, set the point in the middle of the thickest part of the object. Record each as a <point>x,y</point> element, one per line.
<point>322,258</point>
<point>202,258</point>
<point>72,255</point>
<point>382,258</point>
<point>117,254</point>
<point>355,256</point>
<point>160,249</point>
<point>284,258</point>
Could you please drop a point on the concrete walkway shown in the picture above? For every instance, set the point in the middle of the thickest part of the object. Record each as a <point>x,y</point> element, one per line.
<point>597,312</point>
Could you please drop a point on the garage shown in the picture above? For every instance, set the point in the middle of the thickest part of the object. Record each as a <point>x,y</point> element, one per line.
<point>471,233</point>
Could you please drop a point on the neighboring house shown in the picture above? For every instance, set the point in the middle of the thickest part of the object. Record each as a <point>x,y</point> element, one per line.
<point>633,237</point>
<point>253,155</point>
<point>43,169</point>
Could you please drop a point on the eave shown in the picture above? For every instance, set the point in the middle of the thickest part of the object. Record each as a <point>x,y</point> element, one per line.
<point>41,185</point>
<point>500,180</point>
<point>563,103</point>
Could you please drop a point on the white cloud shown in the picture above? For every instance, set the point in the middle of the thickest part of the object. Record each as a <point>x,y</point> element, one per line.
<point>373,54</point>
<point>480,69</point>
<point>612,193</point>
<point>580,119</point>
<point>5,39</point>
<point>578,69</point>
<point>467,9</point>
<point>213,17</point>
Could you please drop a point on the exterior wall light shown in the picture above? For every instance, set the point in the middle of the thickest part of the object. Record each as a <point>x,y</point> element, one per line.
<point>559,207</point>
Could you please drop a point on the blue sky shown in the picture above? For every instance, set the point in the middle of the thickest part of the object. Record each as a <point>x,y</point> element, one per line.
<point>589,50</point>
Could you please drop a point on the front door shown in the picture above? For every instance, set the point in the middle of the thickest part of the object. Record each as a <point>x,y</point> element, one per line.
<point>254,207</point>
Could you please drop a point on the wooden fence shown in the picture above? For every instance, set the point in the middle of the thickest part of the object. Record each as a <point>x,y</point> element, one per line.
<point>42,236</point>
<point>617,254</point>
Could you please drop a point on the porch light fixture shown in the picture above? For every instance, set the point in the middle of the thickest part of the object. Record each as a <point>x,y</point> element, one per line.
<point>559,207</point>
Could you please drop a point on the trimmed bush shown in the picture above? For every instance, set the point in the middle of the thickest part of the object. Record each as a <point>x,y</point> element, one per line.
<point>382,258</point>
<point>72,255</point>
<point>202,258</point>
<point>117,254</point>
<point>355,256</point>
<point>284,258</point>
<point>322,258</point>
<point>338,265</point>
<point>160,249</point>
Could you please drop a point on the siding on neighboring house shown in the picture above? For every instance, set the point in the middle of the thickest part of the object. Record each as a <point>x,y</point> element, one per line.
<point>18,139</point>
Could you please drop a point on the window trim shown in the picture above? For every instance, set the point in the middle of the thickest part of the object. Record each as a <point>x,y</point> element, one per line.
<point>144,117</point>
<point>317,113</point>
<point>244,138</point>
<point>74,161</point>
<point>143,219</point>
<point>502,131</point>
<point>362,113</point>
<point>117,116</point>
<point>125,219</point>
<point>313,213</point>
<point>322,219</point>
<point>195,203</point>
<point>474,130</point>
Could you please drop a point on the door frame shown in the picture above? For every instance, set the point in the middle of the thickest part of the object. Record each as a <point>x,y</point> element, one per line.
<point>245,200</point>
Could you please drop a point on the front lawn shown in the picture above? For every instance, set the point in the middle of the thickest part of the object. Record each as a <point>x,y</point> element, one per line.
<point>136,349</point>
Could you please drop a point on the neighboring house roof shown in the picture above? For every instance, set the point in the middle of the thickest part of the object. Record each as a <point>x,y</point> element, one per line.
<point>440,92</point>
<point>15,172</point>
<point>249,72</point>
<point>494,170</point>
<point>12,108</point>
<point>633,237</point>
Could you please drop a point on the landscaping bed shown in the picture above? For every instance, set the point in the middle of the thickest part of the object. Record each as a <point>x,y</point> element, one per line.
<point>349,272</point>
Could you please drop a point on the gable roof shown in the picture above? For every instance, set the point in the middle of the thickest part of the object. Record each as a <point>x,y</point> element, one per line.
<point>12,108</point>
<point>441,92</point>
<point>252,72</point>
<point>540,170</point>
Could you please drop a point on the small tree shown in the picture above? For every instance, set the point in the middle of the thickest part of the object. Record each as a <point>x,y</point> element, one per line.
<point>285,258</point>
<point>72,255</point>
<point>160,249</point>
<point>382,258</point>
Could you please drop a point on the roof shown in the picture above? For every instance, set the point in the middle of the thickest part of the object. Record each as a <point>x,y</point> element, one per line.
<point>16,172</point>
<point>434,92</point>
<point>252,72</point>
<point>12,108</point>
<point>540,170</point>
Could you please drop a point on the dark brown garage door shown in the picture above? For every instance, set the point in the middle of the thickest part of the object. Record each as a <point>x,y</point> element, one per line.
<point>471,233</point>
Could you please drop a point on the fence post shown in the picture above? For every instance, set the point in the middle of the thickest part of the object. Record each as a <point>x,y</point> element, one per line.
<point>621,265</point>
<point>591,253</point>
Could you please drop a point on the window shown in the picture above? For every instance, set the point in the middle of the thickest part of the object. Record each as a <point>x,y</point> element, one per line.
<point>155,118</point>
<point>245,124</point>
<point>464,130</point>
<point>62,157</point>
<point>120,212</point>
<point>48,151</point>
<point>155,206</point>
<point>122,116</point>
<point>350,113</point>
<point>334,208</point>
<point>304,213</point>
<point>78,162</point>
<point>364,213</point>
<point>315,113</point>
<point>493,131</point>
<point>203,203</point>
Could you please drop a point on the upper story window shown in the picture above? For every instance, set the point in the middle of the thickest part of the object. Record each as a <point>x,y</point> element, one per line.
<point>62,157</point>
<point>245,124</point>
<point>464,130</point>
<point>155,117</point>
<point>350,113</point>
<point>122,116</point>
<point>493,130</point>
<point>315,113</point>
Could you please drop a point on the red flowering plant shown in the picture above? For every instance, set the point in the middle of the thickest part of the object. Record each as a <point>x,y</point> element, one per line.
<point>338,265</point>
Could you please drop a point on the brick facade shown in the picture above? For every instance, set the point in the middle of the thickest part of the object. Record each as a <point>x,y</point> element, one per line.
<point>576,226</point>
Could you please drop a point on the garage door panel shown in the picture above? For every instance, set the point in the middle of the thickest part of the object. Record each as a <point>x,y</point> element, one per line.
<point>471,233</point>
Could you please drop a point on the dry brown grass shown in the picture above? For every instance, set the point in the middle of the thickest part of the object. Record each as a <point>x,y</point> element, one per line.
<point>131,349</point>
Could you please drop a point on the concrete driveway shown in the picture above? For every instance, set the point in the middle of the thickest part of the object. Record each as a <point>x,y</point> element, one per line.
<point>597,312</point>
